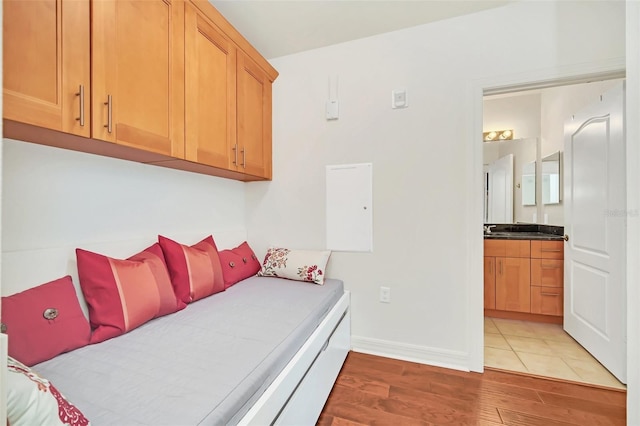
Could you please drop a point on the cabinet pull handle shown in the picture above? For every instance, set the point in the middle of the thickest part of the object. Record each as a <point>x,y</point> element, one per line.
<point>81,95</point>
<point>235,152</point>
<point>491,268</point>
<point>500,262</point>
<point>549,266</point>
<point>549,294</point>
<point>244,158</point>
<point>552,250</point>
<point>109,105</point>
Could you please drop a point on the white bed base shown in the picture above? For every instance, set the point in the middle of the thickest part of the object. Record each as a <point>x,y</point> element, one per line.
<point>298,394</point>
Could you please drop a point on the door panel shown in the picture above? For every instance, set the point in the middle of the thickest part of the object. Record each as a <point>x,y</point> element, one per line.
<point>513,292</point>
<point>135,45</point>
<point>595,202</point>
<point>254,118</point>
<point>44,65</point>
<point>501,190</point>
<point>210,93</point>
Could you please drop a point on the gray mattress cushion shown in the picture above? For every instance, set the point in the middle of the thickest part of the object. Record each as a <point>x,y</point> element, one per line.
<point>206,364</point>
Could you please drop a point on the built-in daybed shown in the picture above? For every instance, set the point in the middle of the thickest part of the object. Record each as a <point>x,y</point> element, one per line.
<point>266,350</point>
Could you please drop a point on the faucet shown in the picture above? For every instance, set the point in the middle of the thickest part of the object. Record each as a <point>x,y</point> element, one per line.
<point>487,228</point>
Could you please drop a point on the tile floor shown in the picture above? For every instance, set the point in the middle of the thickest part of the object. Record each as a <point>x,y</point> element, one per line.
<point>541,349</point>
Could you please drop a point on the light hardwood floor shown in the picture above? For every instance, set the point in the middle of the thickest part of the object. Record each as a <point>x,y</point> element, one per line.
<point>541,349</point>
<point>371,390</point>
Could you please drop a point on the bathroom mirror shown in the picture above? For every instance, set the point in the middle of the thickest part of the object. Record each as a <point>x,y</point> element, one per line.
<point>529,184</point>
<point>551,179</point>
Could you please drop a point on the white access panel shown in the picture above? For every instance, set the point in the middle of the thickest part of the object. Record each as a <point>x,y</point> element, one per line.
<point>350,207</point>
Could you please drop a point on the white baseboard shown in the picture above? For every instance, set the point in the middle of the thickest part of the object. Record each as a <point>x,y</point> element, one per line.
<point>456,360</point>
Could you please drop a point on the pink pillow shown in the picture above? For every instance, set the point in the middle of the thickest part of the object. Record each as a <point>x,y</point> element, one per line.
<point>124,294</point>
<point>33,337</point>
<point>238,263</point>
<point>195,271</point>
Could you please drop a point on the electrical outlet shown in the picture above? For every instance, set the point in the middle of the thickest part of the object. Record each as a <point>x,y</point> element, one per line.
<point>385,294</point>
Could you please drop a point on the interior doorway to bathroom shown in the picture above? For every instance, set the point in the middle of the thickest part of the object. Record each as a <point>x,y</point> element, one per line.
<point>534,347</point>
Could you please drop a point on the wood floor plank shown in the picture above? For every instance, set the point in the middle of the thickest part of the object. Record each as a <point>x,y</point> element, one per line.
<point>380,391</point>
<point>363,384</point>
<point>514,418</point>
<point>599,408</point>
<point>615,397</point>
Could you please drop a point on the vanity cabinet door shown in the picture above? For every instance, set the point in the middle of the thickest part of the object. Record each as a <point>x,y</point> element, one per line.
<point>489,282</point>
<point>547,249</point>
<point>546,300</point>
<point>513,280</point>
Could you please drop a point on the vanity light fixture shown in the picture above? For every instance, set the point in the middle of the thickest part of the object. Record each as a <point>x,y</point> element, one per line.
<point>497,135</point>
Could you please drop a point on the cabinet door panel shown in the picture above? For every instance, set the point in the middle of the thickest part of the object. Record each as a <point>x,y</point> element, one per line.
<point>45,61</point>
<point>489,282</point>
<point>210,92</point>
<point>547,272</point>
<point>513,291</point>
<point>254,118</point>
<point>547,249</point>
<point>136,45</point>
<point>546,301</point>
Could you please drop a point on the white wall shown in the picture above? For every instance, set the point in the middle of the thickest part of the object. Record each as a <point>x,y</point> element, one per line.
<point>633,205</point>
<point>55,199</point>
<point>422,232</point>
<point>557,106</point>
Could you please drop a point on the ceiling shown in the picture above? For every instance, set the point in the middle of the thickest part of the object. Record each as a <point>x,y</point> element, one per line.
<point>282,27</point>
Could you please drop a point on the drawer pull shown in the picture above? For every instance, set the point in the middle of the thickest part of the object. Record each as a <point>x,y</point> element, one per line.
<point>551,250</point>
<point>109,104</point>
<point>549,267</point>
<point>549,294</point>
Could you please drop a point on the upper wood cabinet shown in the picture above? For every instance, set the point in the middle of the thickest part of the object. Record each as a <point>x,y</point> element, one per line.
<point>254,119</point>
<point>137,74</point>
<point>210,93</point>
<point>166,82</point>
<point>46,64</point>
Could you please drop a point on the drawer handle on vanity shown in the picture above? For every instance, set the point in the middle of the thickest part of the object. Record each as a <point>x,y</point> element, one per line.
<point>543,266</point>
<point>549,294</point>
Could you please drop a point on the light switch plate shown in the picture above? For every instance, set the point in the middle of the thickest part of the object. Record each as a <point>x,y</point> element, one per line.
<point>333,110</point>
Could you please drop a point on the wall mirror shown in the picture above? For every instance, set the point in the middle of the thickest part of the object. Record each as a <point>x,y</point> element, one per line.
<point>551,179</point>
<point>529,184</point>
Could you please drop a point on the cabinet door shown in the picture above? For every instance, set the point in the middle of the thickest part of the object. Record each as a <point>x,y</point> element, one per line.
<point>547,249</point>
<point>254,118</point>
<point>210,108</point>
<point>489,282</point>
<point>138,74</point>
<point>513,280</point>
<point>547,272</point>
<point>546,300</point>
<point>45,62</point>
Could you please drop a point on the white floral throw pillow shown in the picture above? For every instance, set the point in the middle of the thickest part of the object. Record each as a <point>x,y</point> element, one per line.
<point>301,265</point>
<point>33,400</point>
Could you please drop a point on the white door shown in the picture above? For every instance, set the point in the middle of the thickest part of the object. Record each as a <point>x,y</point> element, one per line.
<point>595,223</point>
<point>501,190</point>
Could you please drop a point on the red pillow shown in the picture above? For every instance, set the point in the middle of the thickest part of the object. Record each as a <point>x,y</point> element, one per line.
<point>195,271</point>
<point>124,294</point>
<point>33,337</point>
<point>238,263</point>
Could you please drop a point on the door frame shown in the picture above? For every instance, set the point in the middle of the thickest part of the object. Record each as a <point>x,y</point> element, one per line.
<point>550,77</point>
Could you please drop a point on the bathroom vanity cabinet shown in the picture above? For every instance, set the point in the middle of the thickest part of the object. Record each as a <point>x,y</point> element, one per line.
<point>523,279</point>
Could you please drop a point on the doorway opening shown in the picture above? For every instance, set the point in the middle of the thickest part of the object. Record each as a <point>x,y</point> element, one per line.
<point>535,344</point>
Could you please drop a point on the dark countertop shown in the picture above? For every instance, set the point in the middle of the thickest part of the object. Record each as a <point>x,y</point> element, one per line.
<point>524,231</point>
